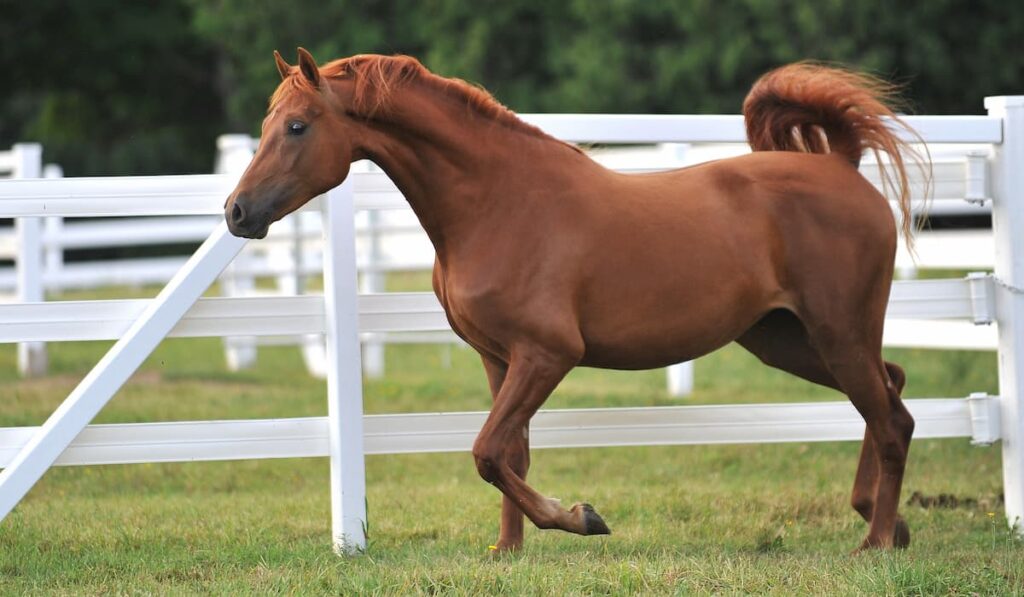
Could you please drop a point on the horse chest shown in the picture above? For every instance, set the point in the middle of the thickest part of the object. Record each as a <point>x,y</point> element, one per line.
<point>465,313</point>
<point>478,313</point>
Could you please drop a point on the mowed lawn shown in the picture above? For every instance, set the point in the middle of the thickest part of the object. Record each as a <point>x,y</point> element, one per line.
<point>714,519</point>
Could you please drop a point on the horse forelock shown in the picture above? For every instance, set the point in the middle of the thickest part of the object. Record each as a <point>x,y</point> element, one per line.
<point>294,82</point>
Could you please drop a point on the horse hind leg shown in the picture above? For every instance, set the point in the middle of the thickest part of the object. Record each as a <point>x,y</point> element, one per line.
<point>853,355</point>
<point>780,340</point>
<point>866,482</point>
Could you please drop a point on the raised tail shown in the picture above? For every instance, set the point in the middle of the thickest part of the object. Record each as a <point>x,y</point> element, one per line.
<point>818,109</point>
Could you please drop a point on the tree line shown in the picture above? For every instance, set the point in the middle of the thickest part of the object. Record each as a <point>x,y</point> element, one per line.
<point>113,88</point>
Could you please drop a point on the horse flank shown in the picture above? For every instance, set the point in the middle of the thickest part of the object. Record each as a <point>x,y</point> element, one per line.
<point>818,109</point>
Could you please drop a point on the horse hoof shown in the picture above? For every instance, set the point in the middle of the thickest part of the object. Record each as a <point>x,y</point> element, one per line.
<point>901,534</point>
<point>869,544</point>
<point>593,524</point>
<point>900,538</point>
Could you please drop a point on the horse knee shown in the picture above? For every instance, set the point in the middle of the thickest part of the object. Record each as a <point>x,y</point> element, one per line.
<point>487,463</point>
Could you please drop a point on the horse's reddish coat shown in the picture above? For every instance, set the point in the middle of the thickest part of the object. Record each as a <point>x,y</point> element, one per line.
<point>546,260</point>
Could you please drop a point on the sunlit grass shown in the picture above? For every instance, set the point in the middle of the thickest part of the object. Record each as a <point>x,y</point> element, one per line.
<point>716,519</point>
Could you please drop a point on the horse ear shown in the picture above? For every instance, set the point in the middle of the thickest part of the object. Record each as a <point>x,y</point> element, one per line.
<point>308,67</point>
<point>282,66</point>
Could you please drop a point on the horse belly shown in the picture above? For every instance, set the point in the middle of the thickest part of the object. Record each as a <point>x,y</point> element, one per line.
<point>671,326</point>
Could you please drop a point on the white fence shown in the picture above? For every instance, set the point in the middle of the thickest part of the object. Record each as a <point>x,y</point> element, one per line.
<point>291,252</point>
<point>393,241</point>
<point>959,184</point>
<point>340,314</point>
<point>23,246</point>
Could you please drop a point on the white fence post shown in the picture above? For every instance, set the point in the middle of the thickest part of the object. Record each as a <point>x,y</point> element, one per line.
<point>99,386</point>
<point>314,353</point>
<point>1007,228</point>
<point>372,281</point>
<point>344,373</point>
<point>680,379</point>
<point>234,152</point>
<point>28,163</point>
<point>53,250</point>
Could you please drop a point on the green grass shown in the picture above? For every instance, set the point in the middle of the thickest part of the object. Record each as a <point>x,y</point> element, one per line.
<point>718,519</point>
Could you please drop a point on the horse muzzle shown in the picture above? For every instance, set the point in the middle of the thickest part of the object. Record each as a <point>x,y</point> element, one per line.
<point>245,222</point>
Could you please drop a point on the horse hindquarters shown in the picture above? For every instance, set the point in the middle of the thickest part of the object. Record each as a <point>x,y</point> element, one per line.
<point>841,302</point>
<point>780,340</point>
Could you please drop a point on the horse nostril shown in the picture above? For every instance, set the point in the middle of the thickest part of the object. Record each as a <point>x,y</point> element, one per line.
<point>237,214</point>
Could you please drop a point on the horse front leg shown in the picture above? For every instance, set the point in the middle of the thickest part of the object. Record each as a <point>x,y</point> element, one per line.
<point>530,379</point>
<point>510,535</point>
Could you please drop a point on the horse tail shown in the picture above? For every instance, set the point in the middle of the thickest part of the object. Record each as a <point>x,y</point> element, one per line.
<point>819,109</point>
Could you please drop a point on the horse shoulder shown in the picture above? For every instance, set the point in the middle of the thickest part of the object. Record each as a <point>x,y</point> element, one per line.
<point>496,309</point>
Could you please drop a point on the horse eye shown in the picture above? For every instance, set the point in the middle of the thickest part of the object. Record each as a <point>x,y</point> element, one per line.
<point>296,128</point>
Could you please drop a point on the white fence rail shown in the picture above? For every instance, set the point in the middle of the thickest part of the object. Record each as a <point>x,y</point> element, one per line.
<point>133,443</point>
<point>345,436</point>
<point>968,299</point>
<point>293,251</point>
<point>959,184</point>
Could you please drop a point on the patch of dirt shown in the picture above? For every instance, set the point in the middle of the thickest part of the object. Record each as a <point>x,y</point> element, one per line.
<point>950,501</point>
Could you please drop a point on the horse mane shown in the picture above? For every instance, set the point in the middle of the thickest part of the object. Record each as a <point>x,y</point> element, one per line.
<point>377,78</point>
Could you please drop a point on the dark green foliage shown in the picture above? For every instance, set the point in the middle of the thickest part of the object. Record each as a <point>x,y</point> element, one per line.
<point>132,88</point>
<point>245,33</point>
<point>109,87</point>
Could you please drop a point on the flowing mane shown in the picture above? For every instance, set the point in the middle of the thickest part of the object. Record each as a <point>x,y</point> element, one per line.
<point>378,77</point>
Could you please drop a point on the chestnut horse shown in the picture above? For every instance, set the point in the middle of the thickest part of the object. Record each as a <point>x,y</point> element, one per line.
<point>547,260</point>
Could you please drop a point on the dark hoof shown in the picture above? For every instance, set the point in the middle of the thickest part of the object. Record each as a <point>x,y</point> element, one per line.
<point>593,524</point>
<point>901,534</point>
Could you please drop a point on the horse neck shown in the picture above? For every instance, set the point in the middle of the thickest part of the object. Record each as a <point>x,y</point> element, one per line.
<point>452,163</point>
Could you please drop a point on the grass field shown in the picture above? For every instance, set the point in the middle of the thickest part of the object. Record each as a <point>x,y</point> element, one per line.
<point>722,519</point>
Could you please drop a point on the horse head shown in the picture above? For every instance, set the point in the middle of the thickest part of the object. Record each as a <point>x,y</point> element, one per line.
<point>305,150</point>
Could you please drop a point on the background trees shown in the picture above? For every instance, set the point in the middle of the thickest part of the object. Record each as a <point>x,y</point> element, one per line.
<point>108,87</point>
<point>128,88</point>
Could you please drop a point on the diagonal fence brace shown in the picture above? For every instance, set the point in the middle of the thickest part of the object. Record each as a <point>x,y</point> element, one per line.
<point>114,369</point>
